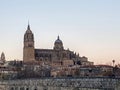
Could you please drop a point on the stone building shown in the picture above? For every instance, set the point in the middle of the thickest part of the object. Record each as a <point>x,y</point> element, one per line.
<point>55,56</point>
<point>2,59</point>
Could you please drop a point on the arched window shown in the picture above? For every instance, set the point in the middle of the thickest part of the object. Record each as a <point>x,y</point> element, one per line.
<point>27,88</point>
<point>22,88</point>
<point>16,88</point>
<point>45,88</point>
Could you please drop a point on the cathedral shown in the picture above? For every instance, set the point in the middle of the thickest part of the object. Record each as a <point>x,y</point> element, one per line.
<point>58,55</point>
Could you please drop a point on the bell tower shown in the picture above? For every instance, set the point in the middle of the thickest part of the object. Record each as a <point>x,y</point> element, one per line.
<point>28,49</point>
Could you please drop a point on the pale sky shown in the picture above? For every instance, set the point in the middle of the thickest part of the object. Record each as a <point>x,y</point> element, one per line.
<point>88,27</point>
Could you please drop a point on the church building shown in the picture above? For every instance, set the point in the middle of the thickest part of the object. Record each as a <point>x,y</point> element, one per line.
<point>58,55</point>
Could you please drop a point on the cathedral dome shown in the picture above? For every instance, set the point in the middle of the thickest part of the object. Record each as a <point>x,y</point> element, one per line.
<point>58,45</point>
<point>58,40</point>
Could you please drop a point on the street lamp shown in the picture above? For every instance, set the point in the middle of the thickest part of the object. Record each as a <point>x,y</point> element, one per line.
<point>113,62</point>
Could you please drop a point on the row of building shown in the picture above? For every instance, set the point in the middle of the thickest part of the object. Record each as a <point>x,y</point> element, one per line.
<point>56,62</point>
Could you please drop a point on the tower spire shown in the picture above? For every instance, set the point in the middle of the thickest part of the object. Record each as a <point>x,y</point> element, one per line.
<point>58,37</point>
<point>28,28</point>
<point>28,50</point>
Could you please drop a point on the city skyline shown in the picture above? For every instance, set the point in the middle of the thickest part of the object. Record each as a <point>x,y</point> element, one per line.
<point>90,28</point>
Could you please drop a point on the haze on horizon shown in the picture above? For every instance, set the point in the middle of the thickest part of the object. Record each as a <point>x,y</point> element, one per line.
<point>89,27</point>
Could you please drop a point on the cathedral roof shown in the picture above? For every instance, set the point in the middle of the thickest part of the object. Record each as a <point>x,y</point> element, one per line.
<point>48,50</point>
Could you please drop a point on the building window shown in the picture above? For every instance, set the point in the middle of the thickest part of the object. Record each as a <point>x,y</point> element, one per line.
<point>22,88</point>
<point>11,88</point>
<point>45,88</point>
<point>16,88</point>
<point>27,88</point>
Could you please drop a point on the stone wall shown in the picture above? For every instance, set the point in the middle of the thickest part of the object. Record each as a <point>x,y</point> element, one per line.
<point>62,84</point>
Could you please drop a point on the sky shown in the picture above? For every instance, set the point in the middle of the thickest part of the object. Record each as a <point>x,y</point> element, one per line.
<point>88,27</point>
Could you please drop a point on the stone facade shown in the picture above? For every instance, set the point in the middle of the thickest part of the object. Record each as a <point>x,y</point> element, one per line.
<point>56,55</point>
<point>62,84</point>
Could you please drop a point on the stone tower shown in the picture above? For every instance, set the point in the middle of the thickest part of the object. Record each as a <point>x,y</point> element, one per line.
<point>2,58</point>
<point>28,50</point>
<point>58,45</point>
